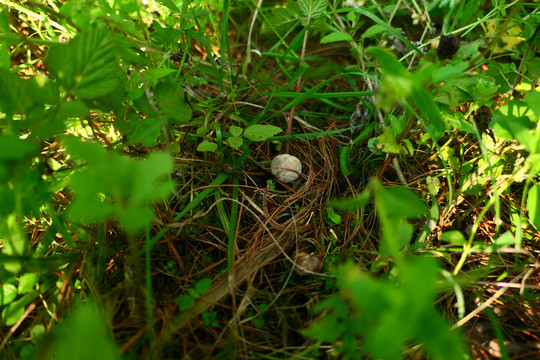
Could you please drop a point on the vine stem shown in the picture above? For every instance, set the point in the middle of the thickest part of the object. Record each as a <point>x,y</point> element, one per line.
<point>298,86</point>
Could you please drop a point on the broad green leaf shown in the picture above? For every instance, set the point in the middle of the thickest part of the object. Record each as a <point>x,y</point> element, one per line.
<point>14,242</point>
<point>145,131</point>
<point>185,302</point>
<point>114,184</point>
<point>14,149</point>
<point>433,185</point>
<point>235,142</point>
<point>86,66</point>
<point>335,37</point>
<point>312,9</point>
<point>282,19</point>
<point>533,205</point>
<point>27,282</point>
<point>235,130</point>
<point>8,293</point>
<point>13,311</point>
<point>454,237</point>
<point>449,71</point>
<point>506,239</point>
<point>207,146</point>
<point>85,328</point>
<point>170,101</point>
<point>386,142</point>
<point>261,132</point>
<point>400,202</point>
<point>533,101</point>
<point>134,219</point>
<point>203,285</point>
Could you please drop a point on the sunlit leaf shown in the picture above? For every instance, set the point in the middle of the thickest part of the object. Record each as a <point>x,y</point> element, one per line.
<point>87,65</point>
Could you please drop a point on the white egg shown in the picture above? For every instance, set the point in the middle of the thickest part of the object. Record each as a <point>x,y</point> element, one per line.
<point>286,168</point>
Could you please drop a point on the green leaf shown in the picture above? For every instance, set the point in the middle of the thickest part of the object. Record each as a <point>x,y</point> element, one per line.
<point>373,30</point>
<point>207,146</point>
<point>8,293</point>
<point>154,74</point>
<point>433,185</point>
<point>87,65</point>
<point>333,216</point>
<point>261,132</point>
<point>388,62</point>
<point>235,142</point>
<point>335,37</point>
<point>13,311</point>
<point>352,203</point>
<point>424,102</point>
<point>27,282</point>
<point>14,149</point>
<point>533,205</point>
<point>171,5</point>
<point>14,242</point>
<point>533,101</point>
<point>400,202</point>
<point>282,19</point>
<point>506,239</point>
<point>312,9</point>
<point>185,302</point>
<point>454,237</point>
<point>85,328</point>
<point>236,130</point>
<point>203,285</point>
<point>386,142</point>
<point>169,99</point>
<point>145,131</point>
<point>135,219</point>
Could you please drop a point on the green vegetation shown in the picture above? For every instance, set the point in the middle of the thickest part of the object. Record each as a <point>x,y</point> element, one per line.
<point>140,219</point>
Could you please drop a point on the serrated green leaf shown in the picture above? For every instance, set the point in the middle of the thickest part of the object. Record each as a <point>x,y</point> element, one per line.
<point>169,99</point>
<point>207,146</point>
<point>282,20</point>
<point>87,65</point>
<point>312,9</point>
<point>335,37</point>
<point>261,132</point>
